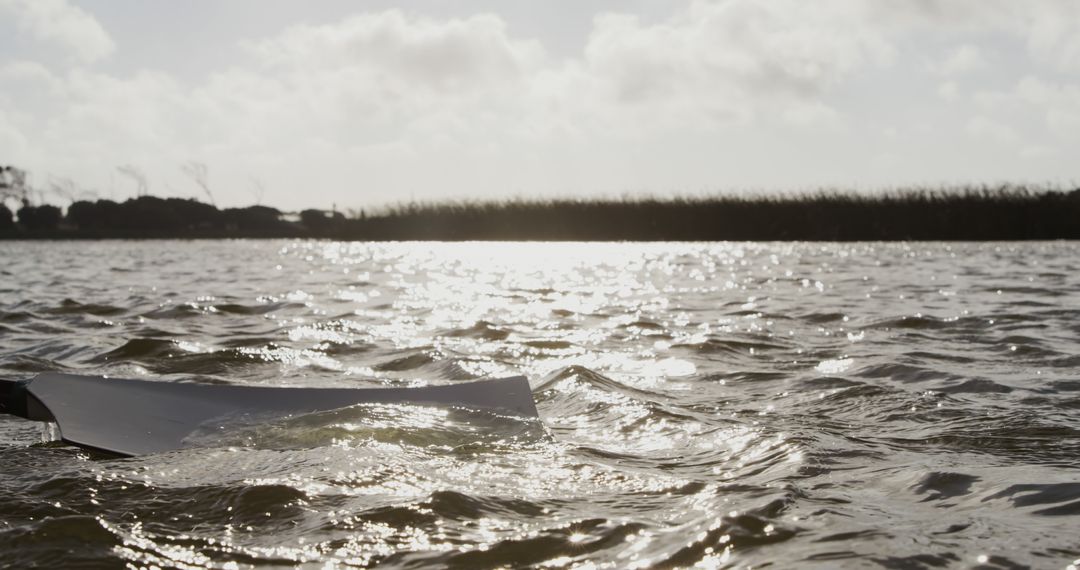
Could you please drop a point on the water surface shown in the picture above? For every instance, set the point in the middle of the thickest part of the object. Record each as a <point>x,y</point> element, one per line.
<point>713,405</point>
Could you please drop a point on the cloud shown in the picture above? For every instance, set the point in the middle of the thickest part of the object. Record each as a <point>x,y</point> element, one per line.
<point>422,53</point>
<point>949,91</point>
<point>1050,29</point>
<point>1059,103</point>
<point>1053,31</point>
<point>12,140</point>
<point>963,59</point>
<point>766,93</point>
<point>59,23</point>
<point>736,59</point>
<point>1039,103</point>
<point>984,127</point>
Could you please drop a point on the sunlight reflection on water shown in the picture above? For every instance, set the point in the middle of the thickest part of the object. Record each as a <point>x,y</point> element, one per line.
<point>702,404</point>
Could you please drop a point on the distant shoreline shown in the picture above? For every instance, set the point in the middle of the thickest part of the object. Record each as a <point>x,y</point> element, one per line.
<point>956,214</point>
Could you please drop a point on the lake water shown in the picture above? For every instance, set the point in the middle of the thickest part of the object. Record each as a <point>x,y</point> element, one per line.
<point>733,404</point>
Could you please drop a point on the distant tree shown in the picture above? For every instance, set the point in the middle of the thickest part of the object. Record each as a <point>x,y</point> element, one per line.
<point>83,215</point>
<point>253,218</point>
<point>13,183</point>
<point>44,217</point>
<point>314,219</point>
<point>102,214</point>
<point>194,214</point>
<point>153,214</point>
<point>7,219</point>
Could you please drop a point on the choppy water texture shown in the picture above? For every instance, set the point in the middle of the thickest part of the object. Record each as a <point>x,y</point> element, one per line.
<point>713,405</point>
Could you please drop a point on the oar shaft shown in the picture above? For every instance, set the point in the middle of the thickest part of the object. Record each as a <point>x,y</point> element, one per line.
<point>16,400</point>
<point>13,396</point>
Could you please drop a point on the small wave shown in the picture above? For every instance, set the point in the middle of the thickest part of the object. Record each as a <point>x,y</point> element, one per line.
<point>644,324</point>
<point>59,542</point>
<point>905,373</point>
<point>734,531</point>
<point>745,376</point>
<point>141,348</point>
<point>459,506</point>
<point>173,312</point>
<point>257,309</point>
<point>943,560</point>
<point>590,378</point>
<point>939,485</point>
<point>416,359</point>
<point>920,322</point>
<point>31,364</point>
<point>939,355</point>
<point>481,330</point>
<point>255,503</point>
<point>344,348</point>
<point>1065,386</point>
<point>1023,291</point>
<point>823,317</point>
<point>72,307</point>
<point>1065,497</point>
<point>17,316</point>
<point>975,386</point>
<point>571,542</point>
<point>830,383</point>
<point>1033,441</point>
<point>163,356</point>
<point>549,344</point>
<point>732,347</point>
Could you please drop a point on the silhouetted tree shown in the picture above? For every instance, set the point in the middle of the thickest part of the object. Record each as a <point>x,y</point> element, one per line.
<point>7,219</point>
<point>44,217</point>
<point>13,183</point>
<point>314,219</point>
<point>157,215</point>
<point>83,215</point>
<point>102,214</point>
<point>253,218</point>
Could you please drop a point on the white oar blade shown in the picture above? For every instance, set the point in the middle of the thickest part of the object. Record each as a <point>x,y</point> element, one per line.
<point>136,417</point>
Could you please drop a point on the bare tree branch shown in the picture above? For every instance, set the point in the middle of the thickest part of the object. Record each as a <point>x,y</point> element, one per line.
<point>136,175</point>
<point>200,175</point>
<point>65,188</point>
<point>258,189</point>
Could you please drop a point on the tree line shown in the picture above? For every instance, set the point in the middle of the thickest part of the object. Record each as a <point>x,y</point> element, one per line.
<point>964,213</point>
<point>151,216</point>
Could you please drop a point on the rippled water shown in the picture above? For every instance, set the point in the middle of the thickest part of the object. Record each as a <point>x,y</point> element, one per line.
<point>893,405</point>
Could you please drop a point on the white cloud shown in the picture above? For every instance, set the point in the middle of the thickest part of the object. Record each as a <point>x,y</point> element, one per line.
<point>57,22</point>
<point>455,54</point>
<point>987,128</point>
<point>379,106</point>
<point>1053,31</point>
<point>1049,28</point>
<point>12,141</point>
<point>735,59</point>
<point>949,91</point>
<point>1059,103</point>
<point>963,59</point>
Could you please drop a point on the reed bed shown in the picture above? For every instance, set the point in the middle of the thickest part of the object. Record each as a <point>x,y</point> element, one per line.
<point>1006,212</point>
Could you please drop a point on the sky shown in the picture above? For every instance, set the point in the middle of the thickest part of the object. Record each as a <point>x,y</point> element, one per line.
<point>359,104</point>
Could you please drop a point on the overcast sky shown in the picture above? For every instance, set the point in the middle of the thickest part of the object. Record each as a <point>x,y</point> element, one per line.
<point>362,103</point>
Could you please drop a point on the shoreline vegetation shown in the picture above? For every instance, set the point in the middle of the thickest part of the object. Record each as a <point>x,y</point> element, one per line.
<point>976,213</point>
